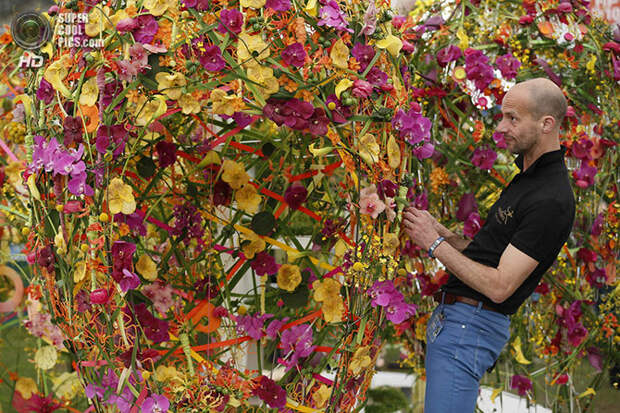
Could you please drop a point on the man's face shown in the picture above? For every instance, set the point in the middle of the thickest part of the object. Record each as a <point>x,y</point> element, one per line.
<point>521,131</point>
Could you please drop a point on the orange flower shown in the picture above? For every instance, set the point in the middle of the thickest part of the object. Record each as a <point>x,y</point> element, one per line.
<point>6,38</point>
<point>91,117</point>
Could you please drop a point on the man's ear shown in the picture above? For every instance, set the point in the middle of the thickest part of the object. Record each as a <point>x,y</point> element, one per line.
<point>548,123</point>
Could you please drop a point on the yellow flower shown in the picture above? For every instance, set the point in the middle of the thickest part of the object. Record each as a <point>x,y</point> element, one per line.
<point>120,197</point>
<point>80,271</point>
<point>97,21</point>
<point>248,199</point>
<point>26,386</point>
<point>343,85</point>
<point>390,242</point>
<point>333,309</point>
<point>225,104</point>
<point>264,77</point>
<point>393,151</point>
<point>13,172</point>
<point>252,245</point>
<point>340,55</point>
<point>391,43</point>
<point>45,358</point>
<point>288,277</point>
<point>166,373</point>
<point>59,242</point>
<point>321,396</point>
<point>518,353</point>
<point>311,8</point>
<point>463,39</point>
<point>170,84</point>
<point>145,111</point>
<point>255,4</point>
<point>56,72</point>
<point>369,149</point>
<point>67,385</point>
<point>147,268</point>
<point>90,92</point>
<point>249,44</point>
<point>233,173</point>
<point>158,7</point>
<point>326,290</point>
<point>361,360</point>
<point>188,104</point>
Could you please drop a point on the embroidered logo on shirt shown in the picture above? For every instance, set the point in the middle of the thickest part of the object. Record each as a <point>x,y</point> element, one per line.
<point>503,215</point>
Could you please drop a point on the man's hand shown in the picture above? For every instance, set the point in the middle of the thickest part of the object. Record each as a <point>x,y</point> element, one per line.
<point>421,227</point>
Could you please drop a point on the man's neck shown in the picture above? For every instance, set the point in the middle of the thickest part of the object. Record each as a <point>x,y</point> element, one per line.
<point>536,152</point>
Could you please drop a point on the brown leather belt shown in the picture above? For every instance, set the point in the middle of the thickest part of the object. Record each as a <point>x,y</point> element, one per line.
<point>451,299</point>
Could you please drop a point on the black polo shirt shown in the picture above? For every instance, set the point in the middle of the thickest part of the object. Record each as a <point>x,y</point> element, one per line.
<point>534,213</point>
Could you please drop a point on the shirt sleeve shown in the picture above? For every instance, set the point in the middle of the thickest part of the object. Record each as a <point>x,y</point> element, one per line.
<point>542,230</point>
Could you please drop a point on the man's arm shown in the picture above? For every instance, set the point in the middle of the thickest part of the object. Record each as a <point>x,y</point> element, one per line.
<point>496,283</point>
<point>459,243</point>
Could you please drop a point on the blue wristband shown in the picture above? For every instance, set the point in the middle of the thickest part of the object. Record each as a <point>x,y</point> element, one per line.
<point>434,245</point>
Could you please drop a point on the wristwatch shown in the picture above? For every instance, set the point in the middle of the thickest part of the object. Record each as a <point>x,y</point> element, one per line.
<point>434,245</point>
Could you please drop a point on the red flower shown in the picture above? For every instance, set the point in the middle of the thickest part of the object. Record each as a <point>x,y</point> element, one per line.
<point>521,383</point>
<point>269,392</point>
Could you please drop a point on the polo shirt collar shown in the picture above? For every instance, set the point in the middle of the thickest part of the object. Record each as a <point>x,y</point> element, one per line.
<point>543,160</point>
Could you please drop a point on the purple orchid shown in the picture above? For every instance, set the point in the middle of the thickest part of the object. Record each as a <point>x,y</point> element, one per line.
<point>484,157</point>
<point>110,91</point>
<point>146,27</point>
<point>294,55</point>
<point>278,5</point>
<point>508,65</point>
<point>581,149</point>
<point>448,54</point>
<point>597,226</point>
<point>377,77</point>
<point>340,113</point>
<point>477,68</point>
<point>361,88</point>
<point>130,281</point>
<point>467,205</point>
<point>252,325</point>
<point>584,176</point>
<point>412,126</point>
<point>122,259</point>
<point>331,16</point>
<point>521,383</point>
<point>472,225</point>
<point>72,129</point>
<point>77,185</point>
<point>111,134</point>
<point>45,92</point>
<point>166,152</point>
<point>274,327</point>
<point>231,20</point>
<point>154,328</point>
<point>318,122</point>
<point>421,201</point>
<point>387,188</point>
<point>399,311</point>
<point>269,392</point>
<point>385,294</point>
<point>500,140</point>
<point>297,343</point>
<point>156,403</point>
<point>363,53</point>
<point>297,114</point>
<point>211,59</point>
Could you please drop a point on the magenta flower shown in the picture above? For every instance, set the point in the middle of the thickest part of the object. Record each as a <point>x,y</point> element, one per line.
<point>448,54</point>
<point>211,59</point>
<point>294,55</point>
<point>399,311</point>
<point>77,185</point>
<point>72,129</point>
<point>508,65</point>
<point>99,296</point>
<point>318,122</point>
<point>467,205</point>
<point>363,53</point>
<point>295,195</point>
<point>385,294</point>
<point>264,264</point>
<point>129,281</point>
<point>139,57</point>
<point>126,70</point>
<point>110,91</point>
<point>231,20</point>
<point>414,128</point>
<point>122,258</point>
<point>278,5</point>
<point>361,88</point>
<point>477,69</point>
<point>424,151</point>
<point>297,114</point>
<point>331,16</point>
<point>521,383</point>
<point>156,403</point>
<point>252,325</point>
<point>576,334</point>
<point>274,110</point>
<point>45,92</point>
<point>296,343</point>
<point>340,113</point>
<point>200,5</point>
<point>500,140</point>
<point>584,176</point>
<point>167,153</point>
<point>154,328</point>
<point>472,225</point>
<point>269,392</point>
<point>146,27</point>
<point>387,188</point>
<point>484,157</point>
<point>377,77</point>
<point>597,225</point>
<point>421,201</point>
<point>581,149</point>
<point>597,278</point>
<point>274,327</point>
<point>111,134</point>
<point>126,25</point>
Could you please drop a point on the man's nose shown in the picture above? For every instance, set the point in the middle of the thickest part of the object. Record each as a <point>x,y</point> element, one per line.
<point>501,126</point>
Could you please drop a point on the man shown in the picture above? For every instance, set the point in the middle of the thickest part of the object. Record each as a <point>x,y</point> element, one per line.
<point>491,275</point>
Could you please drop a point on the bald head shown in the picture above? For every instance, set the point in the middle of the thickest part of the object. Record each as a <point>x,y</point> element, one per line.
<point>545,98</point>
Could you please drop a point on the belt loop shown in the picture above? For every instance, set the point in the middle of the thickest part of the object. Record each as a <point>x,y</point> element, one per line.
<point>443,296</point>
<point>479,306</point>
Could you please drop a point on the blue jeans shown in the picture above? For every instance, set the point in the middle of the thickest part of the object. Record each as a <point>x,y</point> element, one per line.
<point>467,345</point>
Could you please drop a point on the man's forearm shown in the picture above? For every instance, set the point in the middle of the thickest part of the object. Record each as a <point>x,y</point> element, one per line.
<point>459,243</point>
